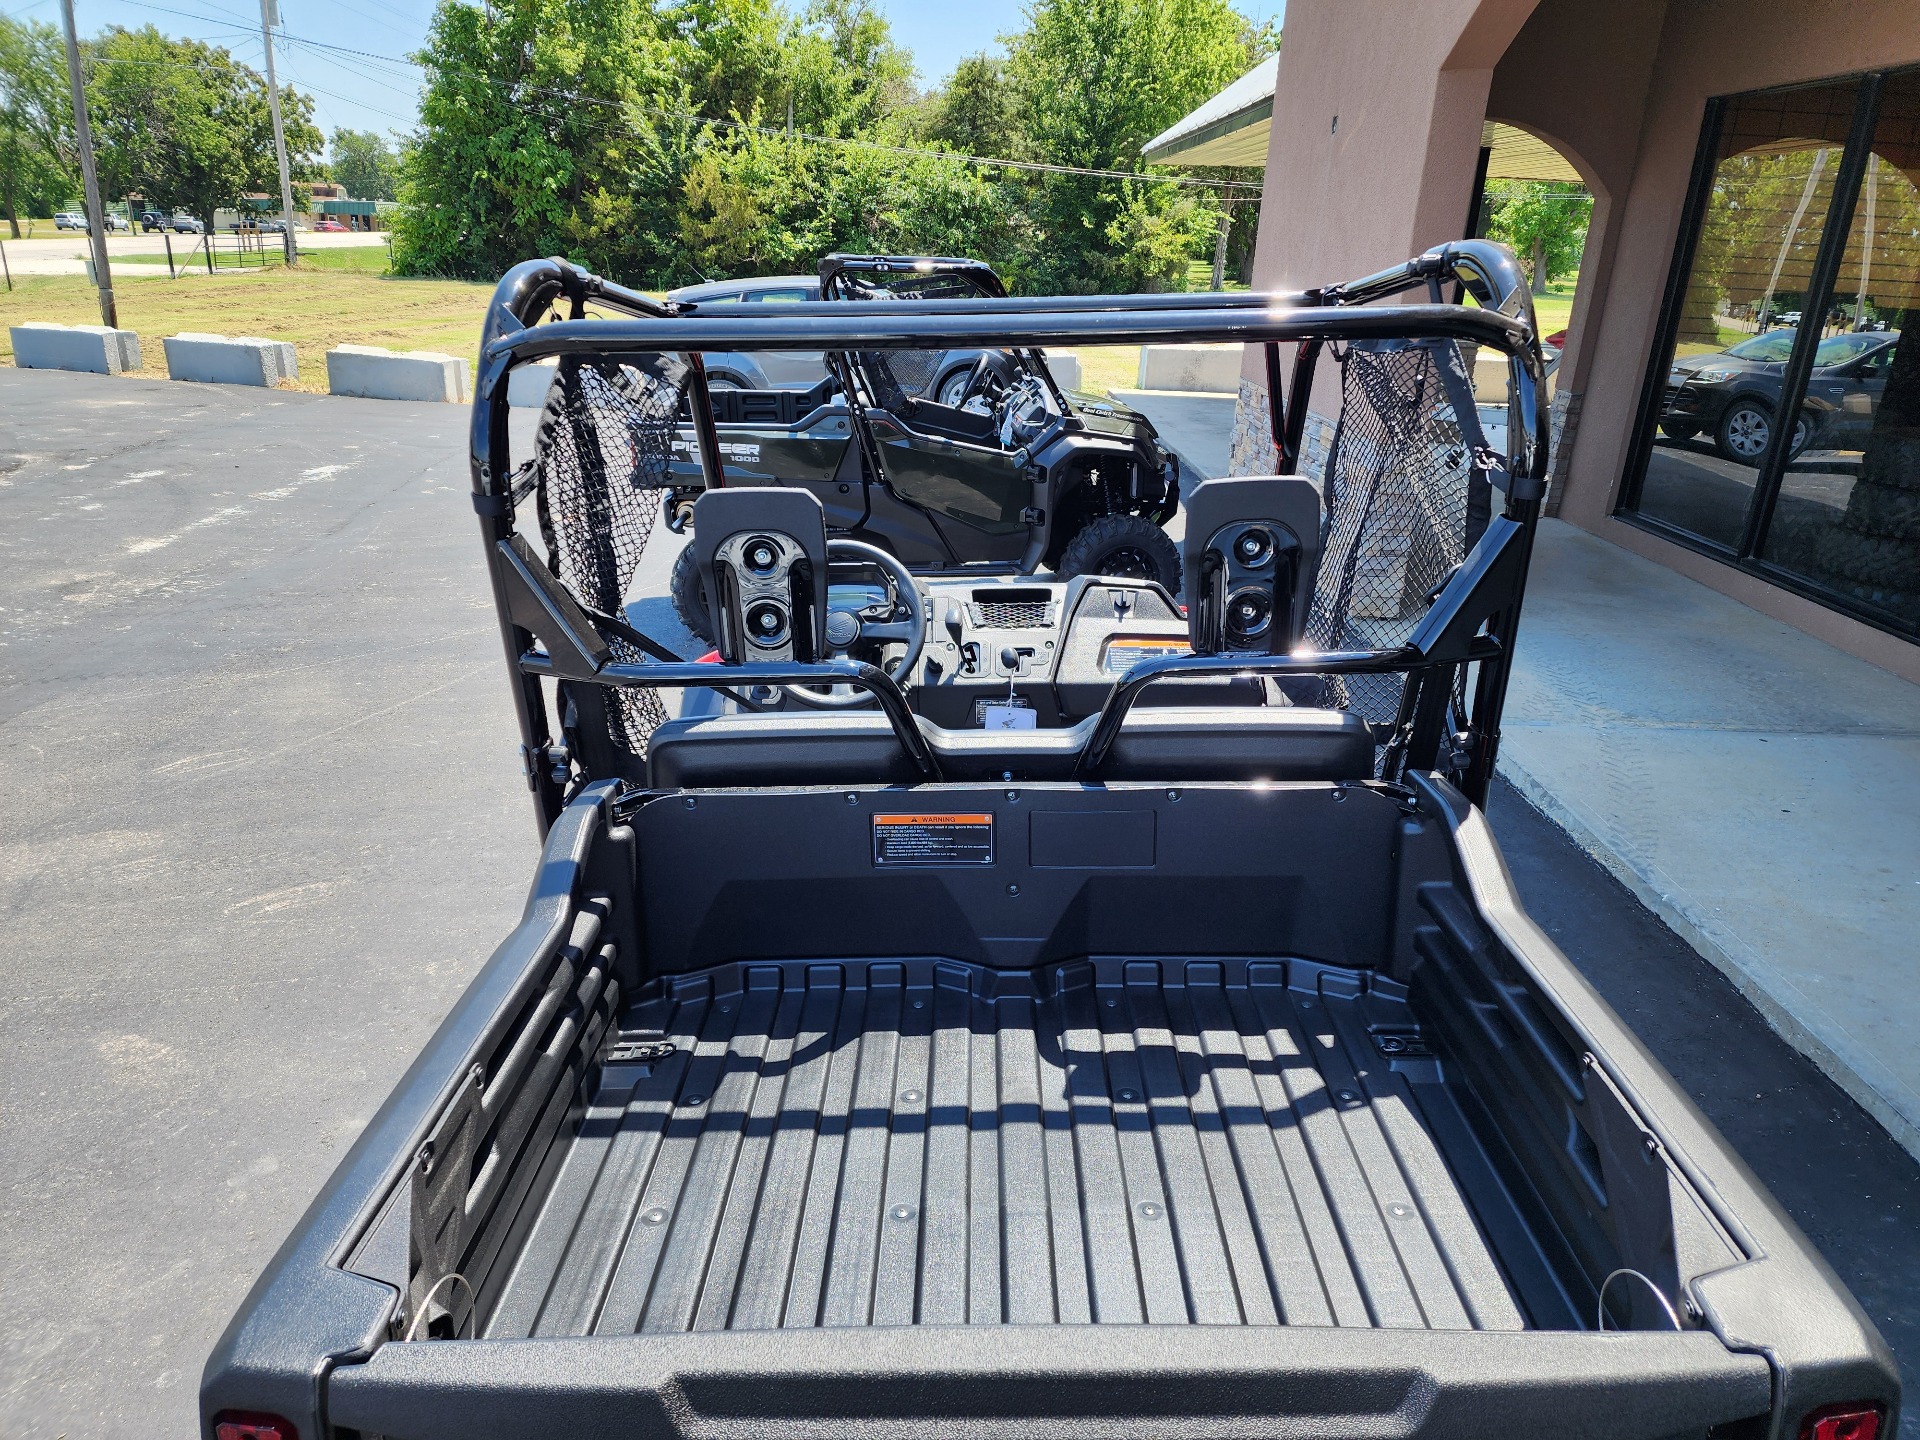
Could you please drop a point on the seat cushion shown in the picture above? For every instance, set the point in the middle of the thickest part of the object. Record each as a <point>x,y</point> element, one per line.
<point>1224,743</point>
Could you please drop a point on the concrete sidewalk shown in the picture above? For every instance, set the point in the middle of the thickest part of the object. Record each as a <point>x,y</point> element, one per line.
<point>1196,425</point>
<point>1757,789</point>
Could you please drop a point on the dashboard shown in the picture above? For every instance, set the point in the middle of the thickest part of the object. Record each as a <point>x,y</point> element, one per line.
<point>1054,648</point>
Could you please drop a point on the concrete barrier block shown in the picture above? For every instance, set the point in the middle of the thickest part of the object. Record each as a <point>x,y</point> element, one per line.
<point>96,349</point>
<point>236,360</point>
<point>527,384</point>
<point>378,374</point>
<point>286,360</point>
<point>1211,368</point>
<point>1065,369</point>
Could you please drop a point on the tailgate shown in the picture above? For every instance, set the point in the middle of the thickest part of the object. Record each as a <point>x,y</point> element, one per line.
<point>1105,1381</point>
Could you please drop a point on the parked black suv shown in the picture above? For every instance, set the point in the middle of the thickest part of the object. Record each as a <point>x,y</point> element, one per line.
<point>1732,395</point>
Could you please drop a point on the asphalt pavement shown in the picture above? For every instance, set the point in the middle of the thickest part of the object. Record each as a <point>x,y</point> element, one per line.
<point>266,818</point>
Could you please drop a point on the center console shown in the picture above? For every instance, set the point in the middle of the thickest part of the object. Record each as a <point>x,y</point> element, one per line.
<point>1053,647</point>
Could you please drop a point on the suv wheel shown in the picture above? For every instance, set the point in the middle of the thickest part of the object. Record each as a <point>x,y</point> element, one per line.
<point>1126,547</point>
<point>1746,429</point>
<point>690,596</point>
<point>953,389</point>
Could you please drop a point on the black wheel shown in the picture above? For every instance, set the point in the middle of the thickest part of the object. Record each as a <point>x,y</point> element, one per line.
<point>1746,428</point>
<point>1675,431</point>
<point>690,596</point>
<point>1125,547</point>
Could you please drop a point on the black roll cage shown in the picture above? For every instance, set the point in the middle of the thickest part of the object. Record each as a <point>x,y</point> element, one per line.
<point>1473,620</point>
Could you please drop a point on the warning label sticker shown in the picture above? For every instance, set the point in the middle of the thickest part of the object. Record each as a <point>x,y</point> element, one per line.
<point>933,839</point>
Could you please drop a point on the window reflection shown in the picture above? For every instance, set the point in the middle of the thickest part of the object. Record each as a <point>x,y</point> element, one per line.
<point>1848,516</point>
<point>1773,182</point>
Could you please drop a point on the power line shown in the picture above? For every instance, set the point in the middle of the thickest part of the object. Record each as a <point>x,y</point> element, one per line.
<point>345,99</point>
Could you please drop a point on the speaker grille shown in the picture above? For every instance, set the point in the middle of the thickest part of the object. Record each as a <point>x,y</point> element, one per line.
<point>1011,614</point>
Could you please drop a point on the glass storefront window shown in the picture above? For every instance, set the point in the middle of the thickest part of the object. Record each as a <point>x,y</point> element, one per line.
<point>1848,514</point>
<point>1777,159</point>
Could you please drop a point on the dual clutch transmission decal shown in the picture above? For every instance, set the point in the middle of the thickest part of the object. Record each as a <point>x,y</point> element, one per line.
<point>933,839</point>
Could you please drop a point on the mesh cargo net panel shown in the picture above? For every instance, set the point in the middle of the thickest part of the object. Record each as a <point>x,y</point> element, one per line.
<point>899,375</point>
<point>601,457</point>
<point>1405,503</point>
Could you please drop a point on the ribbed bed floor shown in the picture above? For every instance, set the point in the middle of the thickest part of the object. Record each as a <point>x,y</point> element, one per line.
<point>924,1142</point>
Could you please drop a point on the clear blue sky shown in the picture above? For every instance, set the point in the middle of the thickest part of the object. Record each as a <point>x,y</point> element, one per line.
<point>367,94</point>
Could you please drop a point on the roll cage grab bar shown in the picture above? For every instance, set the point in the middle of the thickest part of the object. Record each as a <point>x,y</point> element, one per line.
<point>1473,620</point>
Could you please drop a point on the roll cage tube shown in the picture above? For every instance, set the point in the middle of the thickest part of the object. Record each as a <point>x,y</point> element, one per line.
<point>1486,592</point>
<point>838,265</point>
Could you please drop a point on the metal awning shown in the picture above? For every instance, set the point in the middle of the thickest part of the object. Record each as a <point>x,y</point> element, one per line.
<point>1233,128</point>
<point>1518,155</point>
<point>1230,129</point>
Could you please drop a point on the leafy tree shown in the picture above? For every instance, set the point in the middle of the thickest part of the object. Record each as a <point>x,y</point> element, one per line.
<point>729,54</point>
<point>548,127</point>
<point>978,112</point>
<point>186,125</point>
<point>36,121</point>
<point>365,164</point>
<point>1097,79</point>
<point>842,69</point>
<point>1545,223</point>
<point>666,140</point>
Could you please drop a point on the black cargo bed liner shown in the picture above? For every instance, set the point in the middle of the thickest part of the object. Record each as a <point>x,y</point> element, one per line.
<point>925,1142</point>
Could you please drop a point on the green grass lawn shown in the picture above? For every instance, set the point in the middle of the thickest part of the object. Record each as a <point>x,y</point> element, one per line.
<point>1200,277</point>
<point>1554,310</point>
<point>336,300</point>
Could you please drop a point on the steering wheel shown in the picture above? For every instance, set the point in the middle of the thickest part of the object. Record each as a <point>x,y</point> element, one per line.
<point>850,626</point>
<point>984,370</point>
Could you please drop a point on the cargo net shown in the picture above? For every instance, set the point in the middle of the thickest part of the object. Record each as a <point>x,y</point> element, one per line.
<point>897,376</point>
<point>601,457</point>
<point>1405,502</point>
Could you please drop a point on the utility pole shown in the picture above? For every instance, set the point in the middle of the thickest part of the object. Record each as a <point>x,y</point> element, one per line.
<point>96,212</point>
<point>1220,248</point>
<point>270,17</point>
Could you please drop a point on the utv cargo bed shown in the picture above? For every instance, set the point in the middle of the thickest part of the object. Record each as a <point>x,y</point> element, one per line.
<point>889,1143</point>
<point>897,1075</point>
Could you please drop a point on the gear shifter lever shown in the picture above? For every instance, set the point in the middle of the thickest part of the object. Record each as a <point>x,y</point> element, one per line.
<point>953,621</point>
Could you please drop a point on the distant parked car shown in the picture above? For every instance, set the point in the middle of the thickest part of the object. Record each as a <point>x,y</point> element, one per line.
<point>151,220</point>
<point>1732,395</point>
<point>797,369</point>
<point>329,227</point>
<point>187,225</point>
<point>69,220</point>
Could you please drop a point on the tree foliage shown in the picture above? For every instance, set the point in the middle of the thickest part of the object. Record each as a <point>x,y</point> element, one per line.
<point>665,142</point>
<point>1544,222</point>
<point>978,112</point>
<point>1097,79</point>
<point>185,125</point>
<point>548,127</point>
<point>364,164</point>
<point>37,167</point>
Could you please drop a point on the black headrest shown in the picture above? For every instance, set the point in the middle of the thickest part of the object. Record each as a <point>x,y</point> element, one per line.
<point>1253,547</point>
<point>762,555</point>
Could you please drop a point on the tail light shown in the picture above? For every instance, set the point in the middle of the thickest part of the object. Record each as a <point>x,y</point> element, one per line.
<point>1853,1421</point>
<point>246,1425</point>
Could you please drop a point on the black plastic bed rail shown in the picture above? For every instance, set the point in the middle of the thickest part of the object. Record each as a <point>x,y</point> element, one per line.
<point>1474,619</point>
